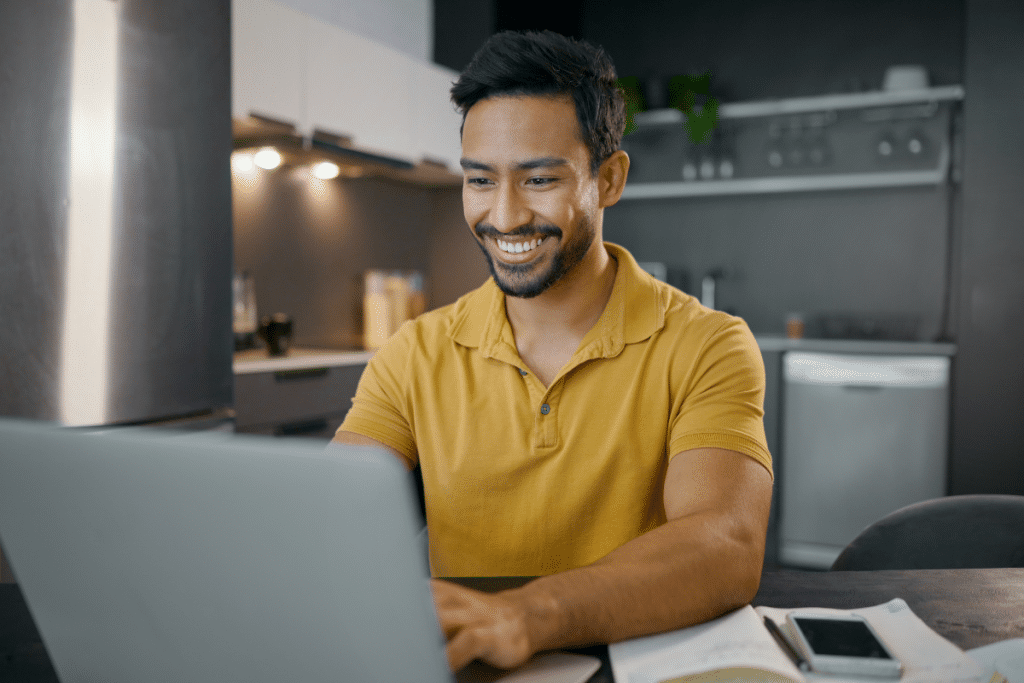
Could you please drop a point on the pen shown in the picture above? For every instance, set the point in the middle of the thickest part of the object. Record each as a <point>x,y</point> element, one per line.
<point>800,662</point>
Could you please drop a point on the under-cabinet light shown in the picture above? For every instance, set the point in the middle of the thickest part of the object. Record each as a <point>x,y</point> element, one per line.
<point>325,170</point>
<point>242,162</point>
<point>267,158</point>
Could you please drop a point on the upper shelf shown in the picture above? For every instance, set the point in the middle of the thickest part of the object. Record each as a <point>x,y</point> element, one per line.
<point>876,106</point>
<point>775,184</point>
<point>799,105</point>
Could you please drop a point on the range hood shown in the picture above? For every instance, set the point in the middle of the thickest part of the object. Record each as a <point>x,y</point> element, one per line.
<point>255,132</point>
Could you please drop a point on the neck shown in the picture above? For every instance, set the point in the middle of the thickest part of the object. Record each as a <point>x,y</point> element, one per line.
<point>572,305</point>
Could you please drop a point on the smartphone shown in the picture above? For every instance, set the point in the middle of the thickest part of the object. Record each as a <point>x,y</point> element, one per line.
<point>842,645</point>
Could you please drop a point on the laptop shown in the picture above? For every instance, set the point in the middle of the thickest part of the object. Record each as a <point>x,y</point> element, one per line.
<point>159,556</point>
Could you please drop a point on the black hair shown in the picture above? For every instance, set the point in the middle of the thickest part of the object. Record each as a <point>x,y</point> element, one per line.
<point>515,63</point>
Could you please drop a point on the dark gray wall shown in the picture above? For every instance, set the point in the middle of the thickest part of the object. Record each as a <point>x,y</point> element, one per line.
<point>460,26</point>
<point>754,48</point>
<point>456,264</point>
<point>780,48</point>
<point>988,431</point>
<point>865,252</point>
<point>307,244</point>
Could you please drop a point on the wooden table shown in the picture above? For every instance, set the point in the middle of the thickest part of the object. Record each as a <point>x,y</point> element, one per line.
<point>970,607</point>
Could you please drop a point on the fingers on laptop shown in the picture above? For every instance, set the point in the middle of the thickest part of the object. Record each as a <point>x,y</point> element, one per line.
<point>484,626</point>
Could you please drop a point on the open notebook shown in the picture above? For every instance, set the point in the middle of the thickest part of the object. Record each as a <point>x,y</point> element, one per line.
<point>737,646</point>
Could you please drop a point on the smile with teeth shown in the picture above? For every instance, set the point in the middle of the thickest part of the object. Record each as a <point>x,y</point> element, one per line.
<point>518,247</point>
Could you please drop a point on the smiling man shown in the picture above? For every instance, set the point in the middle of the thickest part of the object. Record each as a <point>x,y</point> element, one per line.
<point>573,418</point>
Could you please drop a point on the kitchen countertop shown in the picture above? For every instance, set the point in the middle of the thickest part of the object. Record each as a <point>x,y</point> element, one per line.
<point>258,360</point>
<point>778,342</point>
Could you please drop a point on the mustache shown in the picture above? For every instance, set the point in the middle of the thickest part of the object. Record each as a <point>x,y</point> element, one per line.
<point>486,230</point>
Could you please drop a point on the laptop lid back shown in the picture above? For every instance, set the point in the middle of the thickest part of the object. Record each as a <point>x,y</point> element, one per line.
<point>148,556</point>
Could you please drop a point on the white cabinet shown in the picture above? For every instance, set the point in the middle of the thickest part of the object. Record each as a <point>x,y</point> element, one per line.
<point>437,123</point>
<point>315,75</point>
<point>362,89</point>
<point>267,60</point>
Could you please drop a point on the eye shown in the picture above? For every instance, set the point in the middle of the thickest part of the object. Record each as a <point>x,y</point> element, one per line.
<point>540,181</point>
<point>478,182</point>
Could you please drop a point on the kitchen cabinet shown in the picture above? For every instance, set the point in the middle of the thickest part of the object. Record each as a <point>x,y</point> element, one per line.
<point>306,393</point>
<point>268,43</point>
<point>302,71</point>
<point>437,124</point>
<point>359,88</point>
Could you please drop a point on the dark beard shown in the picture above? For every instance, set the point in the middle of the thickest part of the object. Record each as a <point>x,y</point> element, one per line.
<point>515,280</point>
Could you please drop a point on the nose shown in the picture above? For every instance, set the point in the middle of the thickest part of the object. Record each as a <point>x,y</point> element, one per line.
<point>509,210</point>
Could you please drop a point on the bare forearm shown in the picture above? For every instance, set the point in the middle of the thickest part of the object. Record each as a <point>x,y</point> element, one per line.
<point>705,561</point>
<point>685,572</point>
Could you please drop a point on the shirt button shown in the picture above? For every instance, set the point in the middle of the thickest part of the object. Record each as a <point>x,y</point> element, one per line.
<point>545,409</point>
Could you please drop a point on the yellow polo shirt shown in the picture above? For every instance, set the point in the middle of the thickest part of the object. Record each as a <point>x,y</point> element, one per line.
<point>523,479</point>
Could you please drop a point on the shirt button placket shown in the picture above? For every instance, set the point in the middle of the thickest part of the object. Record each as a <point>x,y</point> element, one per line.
<point>546,422</point>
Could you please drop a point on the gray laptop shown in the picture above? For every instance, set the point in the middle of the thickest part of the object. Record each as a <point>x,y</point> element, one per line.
<point>148,556</point>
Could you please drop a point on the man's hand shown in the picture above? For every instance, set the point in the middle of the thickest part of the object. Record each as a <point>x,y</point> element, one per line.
<point>489,627</point>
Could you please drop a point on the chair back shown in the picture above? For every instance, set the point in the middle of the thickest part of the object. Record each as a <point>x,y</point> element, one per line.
<point>955,532</point>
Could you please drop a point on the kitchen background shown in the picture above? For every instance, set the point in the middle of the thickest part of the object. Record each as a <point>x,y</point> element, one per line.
<point>948,256</point>
<point>879,250</point>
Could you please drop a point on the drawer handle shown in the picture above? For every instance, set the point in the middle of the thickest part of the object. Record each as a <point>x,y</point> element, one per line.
<point>298,375</point>
<point>863,387</point>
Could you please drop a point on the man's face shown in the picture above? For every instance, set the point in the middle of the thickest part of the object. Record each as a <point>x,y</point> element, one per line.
<point>528,194</point>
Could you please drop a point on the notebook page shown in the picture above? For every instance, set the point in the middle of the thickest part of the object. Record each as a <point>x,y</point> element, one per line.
<point>1005,657</point>
<point>737,640</point>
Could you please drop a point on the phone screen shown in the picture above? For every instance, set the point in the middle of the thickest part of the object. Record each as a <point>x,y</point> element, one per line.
<point>841,638</point>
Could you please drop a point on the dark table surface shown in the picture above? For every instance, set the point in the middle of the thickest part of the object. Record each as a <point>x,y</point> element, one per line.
<point>970,607</point>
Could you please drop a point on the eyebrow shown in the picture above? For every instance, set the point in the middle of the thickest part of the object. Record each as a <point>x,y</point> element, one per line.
<point>528,165</point>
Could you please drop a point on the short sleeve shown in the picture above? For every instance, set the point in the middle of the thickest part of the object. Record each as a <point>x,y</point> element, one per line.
<point>721,401</point>
<point>380,408</point>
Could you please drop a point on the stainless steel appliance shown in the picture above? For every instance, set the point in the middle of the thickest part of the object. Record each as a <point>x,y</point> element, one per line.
<point>863,435</point>
<point>115,247</point>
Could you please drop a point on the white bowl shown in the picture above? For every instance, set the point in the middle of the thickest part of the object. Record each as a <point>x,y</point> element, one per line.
<point>906,77</point>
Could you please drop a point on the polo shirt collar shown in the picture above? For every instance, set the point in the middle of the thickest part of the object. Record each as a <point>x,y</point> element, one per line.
<point>635,311</point>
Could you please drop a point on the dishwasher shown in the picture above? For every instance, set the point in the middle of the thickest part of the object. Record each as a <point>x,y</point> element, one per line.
<point>862,436</point>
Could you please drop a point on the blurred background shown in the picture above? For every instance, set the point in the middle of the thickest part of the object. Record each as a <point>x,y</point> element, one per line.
<point>859,198</point>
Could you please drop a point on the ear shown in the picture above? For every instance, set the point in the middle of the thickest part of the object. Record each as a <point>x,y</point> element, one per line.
<point>611,177</point>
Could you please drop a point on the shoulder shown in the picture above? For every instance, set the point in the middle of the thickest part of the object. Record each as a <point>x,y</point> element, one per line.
<point>696,325</point>
<point>697,339</point>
